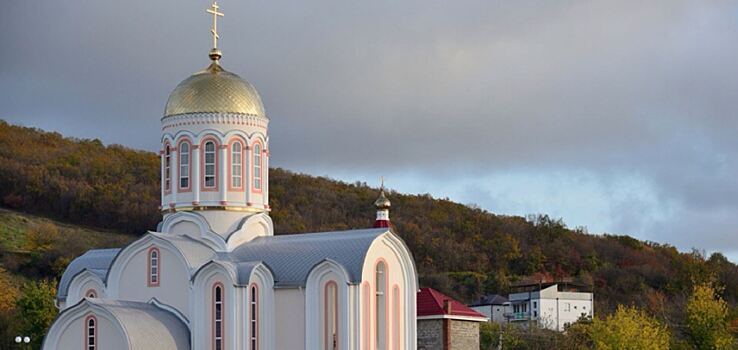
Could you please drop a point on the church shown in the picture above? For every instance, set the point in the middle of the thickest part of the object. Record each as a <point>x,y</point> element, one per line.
<point>213,275</point>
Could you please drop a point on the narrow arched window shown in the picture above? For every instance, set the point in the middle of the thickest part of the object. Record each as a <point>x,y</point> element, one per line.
<point>381,306</point>
<point>257,167</point>
<point>254,317</point>
<point>330,316</point>
<point>184,165</point>
<point>154,267</point>
<point>209,164</point>
<point>236,165</point>
<point>167,168</point>
<point>218,317</point>
<point>91,333</point>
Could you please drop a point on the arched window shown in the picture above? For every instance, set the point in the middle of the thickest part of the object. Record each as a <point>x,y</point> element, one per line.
<point>91,333</point>
<point>237,165</point>
<point>167,168</point>
<point>257,166</point>
<point>184,165</point>
<point>381,306</point>
<point>154,267</point>
<point>330,316</point>
<point>209,165</point>
<point>254,317</point>
<point>218,317</point>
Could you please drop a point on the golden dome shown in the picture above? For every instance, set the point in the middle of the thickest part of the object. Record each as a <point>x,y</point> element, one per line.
<point>214,90</point>
<point>382,202</point>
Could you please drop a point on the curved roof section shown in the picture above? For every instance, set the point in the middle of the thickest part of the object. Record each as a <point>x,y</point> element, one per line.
<point>96,261</point>
<point>214,90</point>
<point>144,322</point>
<point>292,257</point>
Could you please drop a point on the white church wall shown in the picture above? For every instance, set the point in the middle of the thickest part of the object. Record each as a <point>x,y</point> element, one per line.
<point>401,274</point>
<point>315,297</point>
<point>203,314</point>
<point>290,316</point>
<point>174,279</point>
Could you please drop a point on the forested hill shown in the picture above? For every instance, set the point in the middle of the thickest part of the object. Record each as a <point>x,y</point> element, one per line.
<point>459,250</point>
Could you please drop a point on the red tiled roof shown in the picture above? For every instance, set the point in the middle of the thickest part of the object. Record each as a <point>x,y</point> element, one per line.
<point>431,301</point>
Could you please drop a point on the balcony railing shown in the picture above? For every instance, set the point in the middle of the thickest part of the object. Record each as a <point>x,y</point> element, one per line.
<point>517,316</point>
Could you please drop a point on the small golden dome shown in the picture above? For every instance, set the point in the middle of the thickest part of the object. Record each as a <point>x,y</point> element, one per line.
<point>214,90</point>
<point>382,202</point>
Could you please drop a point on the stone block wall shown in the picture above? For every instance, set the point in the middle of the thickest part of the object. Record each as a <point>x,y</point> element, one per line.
<point>430,334</point>
<point>464,335</point>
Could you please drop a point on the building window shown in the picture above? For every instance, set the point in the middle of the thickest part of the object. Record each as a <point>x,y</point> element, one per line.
<point>184,165</point>
<point>257,166</point>
<point>167,168</point>
<point>381,307</point>
<point>91,333</point>
<point>218,317</point>
<point>154,267</point>
<point>254,317</point>
<point>535,305</point>
<point>209,165</point>
<point>236,165</point>
<point>331,316</point>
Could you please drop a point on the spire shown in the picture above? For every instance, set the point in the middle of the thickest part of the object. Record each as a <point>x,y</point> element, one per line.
<point>215,54</point>
<point>383,205</point>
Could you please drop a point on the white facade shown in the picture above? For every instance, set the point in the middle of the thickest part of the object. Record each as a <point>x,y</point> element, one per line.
<point>213,275</point>
<point>549,307</point>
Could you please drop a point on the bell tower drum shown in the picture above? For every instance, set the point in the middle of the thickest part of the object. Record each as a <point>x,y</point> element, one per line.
<point>214,146</point>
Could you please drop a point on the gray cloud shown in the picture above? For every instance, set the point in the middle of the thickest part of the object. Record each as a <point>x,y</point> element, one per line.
<point>637,100</point>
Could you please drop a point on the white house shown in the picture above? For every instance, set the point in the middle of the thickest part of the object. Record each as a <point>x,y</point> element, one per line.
<point>213,275</point>
<point>552,305</point>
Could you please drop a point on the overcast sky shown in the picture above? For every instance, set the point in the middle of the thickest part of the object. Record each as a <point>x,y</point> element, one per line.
<point>619,116</point>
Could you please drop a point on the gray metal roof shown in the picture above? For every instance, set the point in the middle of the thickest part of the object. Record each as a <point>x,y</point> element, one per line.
<point>291,257</point>
<point>147,326</point>
<point>491,299</point>
<point>96,261</point>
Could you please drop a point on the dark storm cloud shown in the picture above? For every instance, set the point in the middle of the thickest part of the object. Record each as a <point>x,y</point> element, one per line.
<point>622,94</point>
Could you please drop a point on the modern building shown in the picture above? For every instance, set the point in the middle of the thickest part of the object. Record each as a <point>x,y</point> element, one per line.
<point>213,275</point>
<point>551,305</point>
<point>446,324</point>
<point>493,306</point>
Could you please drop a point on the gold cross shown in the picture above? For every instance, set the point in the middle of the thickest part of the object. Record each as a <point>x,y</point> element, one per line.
<point>214,10</point>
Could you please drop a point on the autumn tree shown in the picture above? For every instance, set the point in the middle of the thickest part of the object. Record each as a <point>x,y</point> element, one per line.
<point>628,329</point>
<point>36,309</point>
<point>707,318</point>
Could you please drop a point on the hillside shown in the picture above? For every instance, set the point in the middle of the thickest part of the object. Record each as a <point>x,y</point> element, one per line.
<point>462,251</point>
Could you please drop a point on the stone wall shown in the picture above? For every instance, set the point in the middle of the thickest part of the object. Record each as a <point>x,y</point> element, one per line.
<point>464,335</point>
<point>430,335</point>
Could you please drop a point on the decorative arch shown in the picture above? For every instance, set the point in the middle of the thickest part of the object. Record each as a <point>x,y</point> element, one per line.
<point>90,332</point>
<point>203,284</point>
<point>79,286</point>
<point>81,312</point>
<point>248,229</point>
<point>321,274</point>
<point>212,239</point>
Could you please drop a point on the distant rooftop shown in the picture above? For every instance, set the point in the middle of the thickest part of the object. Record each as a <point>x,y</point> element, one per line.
<point>490,299</point>
<point>434,303</point>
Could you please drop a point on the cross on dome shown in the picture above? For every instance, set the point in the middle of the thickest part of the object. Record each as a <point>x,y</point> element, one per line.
<point>215,53</point>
